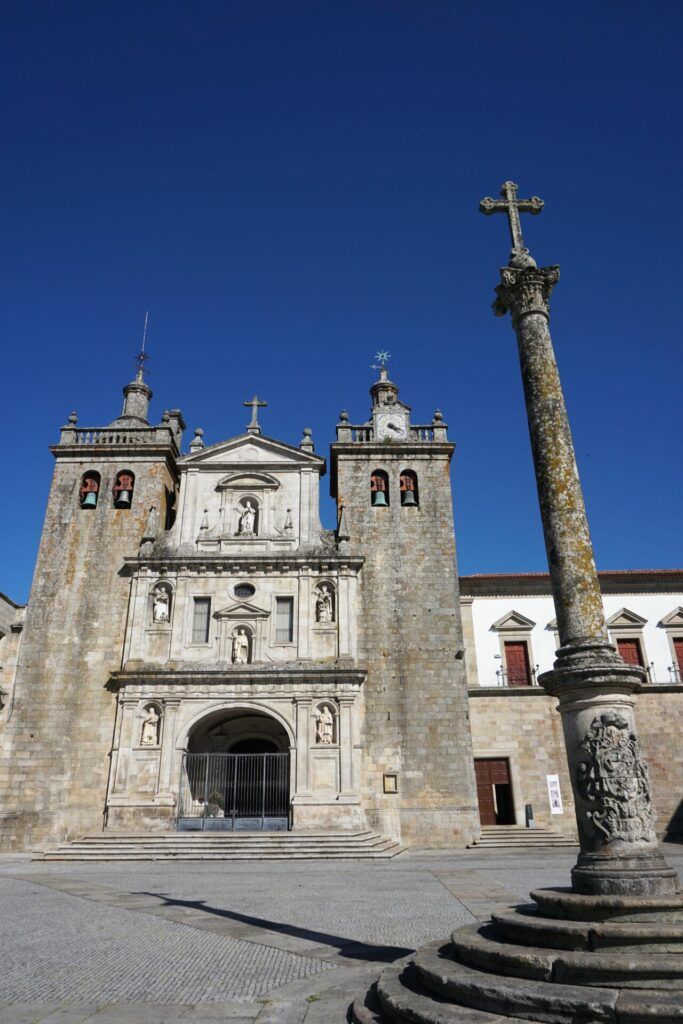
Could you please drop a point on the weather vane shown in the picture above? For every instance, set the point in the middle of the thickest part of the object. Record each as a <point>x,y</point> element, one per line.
<point>142,356</point>
<point>382,358</point>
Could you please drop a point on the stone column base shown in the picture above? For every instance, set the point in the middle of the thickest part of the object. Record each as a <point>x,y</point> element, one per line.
<point>646,874</point>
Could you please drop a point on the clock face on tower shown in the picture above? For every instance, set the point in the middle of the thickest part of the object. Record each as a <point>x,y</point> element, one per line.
<point>391,426</point>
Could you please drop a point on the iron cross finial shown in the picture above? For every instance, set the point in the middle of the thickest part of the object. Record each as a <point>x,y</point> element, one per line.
<point>142,357</point>
<point>255,404</point>
<point>512,206</point>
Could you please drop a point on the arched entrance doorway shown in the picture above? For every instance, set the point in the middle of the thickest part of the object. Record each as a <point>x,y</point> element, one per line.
<point>235,773</point>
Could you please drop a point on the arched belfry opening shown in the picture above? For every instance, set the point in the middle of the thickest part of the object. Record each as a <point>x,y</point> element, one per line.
<point>236,773</point>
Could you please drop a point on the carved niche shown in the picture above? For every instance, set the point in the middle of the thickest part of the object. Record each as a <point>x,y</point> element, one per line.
<point>325,725</point>
<point>151,724</point>
<point>243,500</point>
<point>162,595</point>
<point>324,603</point>
<point>242,645</point>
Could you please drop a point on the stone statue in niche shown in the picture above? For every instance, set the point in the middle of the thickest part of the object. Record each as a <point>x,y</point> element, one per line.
<point>324,608</point>
<point>240,647</point>
<point>324,721</point>
<point>150,728</point>
<point>161,605</point>
<point>247,520</point>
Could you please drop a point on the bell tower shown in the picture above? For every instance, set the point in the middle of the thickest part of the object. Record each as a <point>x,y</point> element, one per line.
<point>109,484</point>
<point>391,481</point>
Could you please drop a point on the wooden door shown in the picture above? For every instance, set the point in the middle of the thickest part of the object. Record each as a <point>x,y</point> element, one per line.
<point>517,663</point>
<point>489,773</point>
<point>630,652</point>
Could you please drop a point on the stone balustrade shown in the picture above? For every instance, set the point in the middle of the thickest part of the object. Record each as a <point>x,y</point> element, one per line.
<point>364,433</point>
<point>116,436</point>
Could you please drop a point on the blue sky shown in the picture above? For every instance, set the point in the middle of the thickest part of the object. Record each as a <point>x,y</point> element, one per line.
<point>289,185</point>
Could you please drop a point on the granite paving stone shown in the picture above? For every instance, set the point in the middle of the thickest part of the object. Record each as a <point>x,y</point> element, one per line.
<point>261,942</point>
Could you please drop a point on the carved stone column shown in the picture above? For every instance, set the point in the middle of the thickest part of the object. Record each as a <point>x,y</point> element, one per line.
<point>604,950</point>
<point>619,853</point>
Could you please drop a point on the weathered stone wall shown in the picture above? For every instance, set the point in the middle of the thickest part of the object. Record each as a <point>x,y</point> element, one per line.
<point>659,717</point>
<point>525,727</point>
<point>415,714</point>
<point>54,752</point>
<point>8,614</point>
<point>11,629</point>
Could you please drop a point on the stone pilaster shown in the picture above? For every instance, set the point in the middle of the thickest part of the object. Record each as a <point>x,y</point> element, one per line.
<point>619,853</point>
<point>169,737</point>
<point>345,740</point>
<point>303,746</point>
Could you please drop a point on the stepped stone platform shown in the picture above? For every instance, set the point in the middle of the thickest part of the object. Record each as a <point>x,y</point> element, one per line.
<point>179,846</point>
<point>501,837</point>
<point>565,959</point>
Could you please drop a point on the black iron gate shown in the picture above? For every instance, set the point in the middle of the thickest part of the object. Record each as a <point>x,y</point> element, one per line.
<point>234,791</point>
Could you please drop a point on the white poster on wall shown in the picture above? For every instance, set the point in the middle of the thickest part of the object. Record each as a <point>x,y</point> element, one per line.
<point>554,794</point>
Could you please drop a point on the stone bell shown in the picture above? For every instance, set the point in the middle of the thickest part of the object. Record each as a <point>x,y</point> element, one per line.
<point>89,500</point>
<point>379,498</point>
<point>409,498</point>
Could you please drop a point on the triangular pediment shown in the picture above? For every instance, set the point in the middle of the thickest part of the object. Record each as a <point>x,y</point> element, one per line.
<point>674,618</point>
<point>241,610</point>
<point>513,620</point>
<point>552,625</point>
<point>626,619</point>
<point>252,451</point>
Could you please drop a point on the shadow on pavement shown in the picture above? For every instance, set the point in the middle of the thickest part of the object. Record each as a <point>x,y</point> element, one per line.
<point>347,947</point>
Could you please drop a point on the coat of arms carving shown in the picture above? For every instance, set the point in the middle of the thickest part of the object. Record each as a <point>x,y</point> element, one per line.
<point>613,779</point>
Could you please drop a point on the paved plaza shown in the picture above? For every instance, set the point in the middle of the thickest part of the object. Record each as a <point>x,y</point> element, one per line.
<point>262,942</point>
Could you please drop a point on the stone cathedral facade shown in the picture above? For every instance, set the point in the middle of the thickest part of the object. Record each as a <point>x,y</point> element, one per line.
<point>198,652</point>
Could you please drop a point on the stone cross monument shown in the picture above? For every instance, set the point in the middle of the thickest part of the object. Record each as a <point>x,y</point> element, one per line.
<point>611,948</point>
<point>595,687</point>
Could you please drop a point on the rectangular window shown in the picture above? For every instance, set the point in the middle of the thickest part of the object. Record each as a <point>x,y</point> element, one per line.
<point>517,663</point>
<point>284,620</point>
<point>631,651</point>
<point>200,620</point>
<point>678,651</point>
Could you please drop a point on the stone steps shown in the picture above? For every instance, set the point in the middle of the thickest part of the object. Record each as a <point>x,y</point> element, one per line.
<point>400,997</point>
<point>528,965</point>
<point>508,995</point>
<point>500,837</point>
<point>482,948</point>
<point>225,846</point>
<point>527,929</point>
<point>568,905</point>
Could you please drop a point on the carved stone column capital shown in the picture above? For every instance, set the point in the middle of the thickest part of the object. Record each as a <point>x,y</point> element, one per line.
<point>525,290</point>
